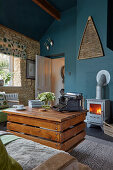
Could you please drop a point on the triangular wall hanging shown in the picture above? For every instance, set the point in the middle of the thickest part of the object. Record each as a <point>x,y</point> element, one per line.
<point>90,45</point>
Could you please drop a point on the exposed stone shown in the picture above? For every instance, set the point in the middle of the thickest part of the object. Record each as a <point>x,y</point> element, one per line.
<point>27,89</point>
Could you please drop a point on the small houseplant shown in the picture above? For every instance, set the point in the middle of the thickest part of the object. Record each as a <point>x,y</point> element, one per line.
<point>47,98</point>
<point>5,76</point>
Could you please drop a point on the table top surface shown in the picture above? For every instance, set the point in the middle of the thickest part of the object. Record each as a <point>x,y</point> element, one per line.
<point>48,115</point>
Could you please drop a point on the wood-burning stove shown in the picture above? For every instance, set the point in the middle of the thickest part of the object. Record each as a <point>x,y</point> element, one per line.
<point>98,111</point>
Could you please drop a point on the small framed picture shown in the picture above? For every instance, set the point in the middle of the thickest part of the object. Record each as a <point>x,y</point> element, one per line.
<point>30,69</point>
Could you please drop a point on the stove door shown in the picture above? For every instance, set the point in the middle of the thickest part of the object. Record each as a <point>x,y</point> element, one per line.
<point>95,114</point>
<point>95,108</point>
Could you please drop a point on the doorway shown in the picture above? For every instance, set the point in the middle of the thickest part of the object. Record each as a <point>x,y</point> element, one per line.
<point>57,82</point>
<point>49,75</point>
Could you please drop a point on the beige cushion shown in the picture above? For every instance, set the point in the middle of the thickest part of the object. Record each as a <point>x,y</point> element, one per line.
<point>83,167</point>
<point>76,166</point>
<point>62,161</point>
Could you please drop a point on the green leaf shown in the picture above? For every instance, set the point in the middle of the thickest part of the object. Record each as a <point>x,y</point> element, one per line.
<point>46,96</point>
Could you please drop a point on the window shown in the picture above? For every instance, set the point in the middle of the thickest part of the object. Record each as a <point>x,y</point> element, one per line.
<point>10,70</point>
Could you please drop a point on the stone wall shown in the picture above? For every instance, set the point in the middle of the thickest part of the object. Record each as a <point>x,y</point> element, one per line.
<point>27,89</point>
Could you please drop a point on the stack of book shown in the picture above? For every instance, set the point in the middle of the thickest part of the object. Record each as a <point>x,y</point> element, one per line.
<point>35,103</point>
<point>108,129</point>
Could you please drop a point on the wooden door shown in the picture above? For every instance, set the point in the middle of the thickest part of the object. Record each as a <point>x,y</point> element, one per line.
<point>43,75</point>
<point>56,80</point>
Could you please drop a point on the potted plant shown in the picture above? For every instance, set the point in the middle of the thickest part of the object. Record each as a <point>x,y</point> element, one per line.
<point>5,77</point>
<point>47,98</point>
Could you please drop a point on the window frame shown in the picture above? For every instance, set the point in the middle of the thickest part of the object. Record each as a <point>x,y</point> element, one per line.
<point>11,69</point>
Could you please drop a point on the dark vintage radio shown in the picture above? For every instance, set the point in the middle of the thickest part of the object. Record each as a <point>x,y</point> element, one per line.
<point>70,102</point>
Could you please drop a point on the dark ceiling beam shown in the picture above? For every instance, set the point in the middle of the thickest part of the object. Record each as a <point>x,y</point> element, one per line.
<point>46,6</point>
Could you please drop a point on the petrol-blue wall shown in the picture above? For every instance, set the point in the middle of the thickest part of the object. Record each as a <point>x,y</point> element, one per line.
<point>86,70</point>
<point>67,36</point>
<point>63,33</point>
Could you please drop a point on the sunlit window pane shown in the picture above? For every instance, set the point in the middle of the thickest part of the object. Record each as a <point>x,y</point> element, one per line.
<point>10,70</point>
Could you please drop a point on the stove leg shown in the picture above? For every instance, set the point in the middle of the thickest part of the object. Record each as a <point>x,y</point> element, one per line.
<point>88,125</point>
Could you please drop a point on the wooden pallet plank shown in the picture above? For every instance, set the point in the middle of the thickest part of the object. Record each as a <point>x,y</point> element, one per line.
<point>34,122</point>
<point>55,145</point>
<point>35,131</point>
<point>66,124</point>
<point>73,141</point>
<point>48,115</point>
<point>72,132</point>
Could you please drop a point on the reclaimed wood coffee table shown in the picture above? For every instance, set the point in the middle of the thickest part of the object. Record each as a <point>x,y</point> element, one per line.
<point>55,129</point>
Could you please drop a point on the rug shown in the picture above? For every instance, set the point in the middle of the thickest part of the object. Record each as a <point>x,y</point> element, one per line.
<point>96,153</point>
